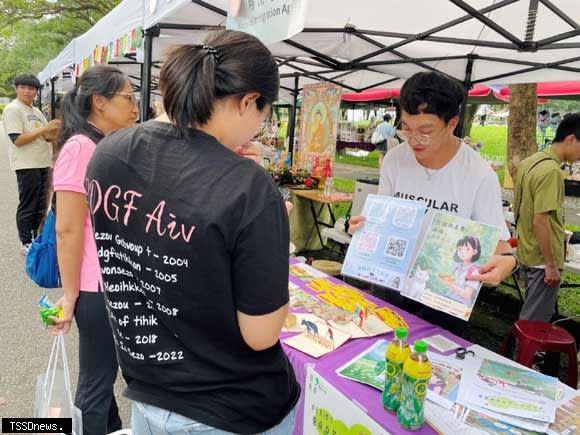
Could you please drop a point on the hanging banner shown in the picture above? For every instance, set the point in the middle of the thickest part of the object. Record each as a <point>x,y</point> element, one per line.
<point>319,115</point>
<point>270,21</point>
<point>128,43</point>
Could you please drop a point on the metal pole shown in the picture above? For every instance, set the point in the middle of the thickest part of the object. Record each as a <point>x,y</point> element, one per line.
<point>40,98</point>
<point>292,118</point>
<point>467,85</point>
<point>52,99</point>
<point>146,73</point>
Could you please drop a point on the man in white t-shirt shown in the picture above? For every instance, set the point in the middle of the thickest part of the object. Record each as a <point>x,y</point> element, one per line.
<point>30,155</point>
<point>436,168</point>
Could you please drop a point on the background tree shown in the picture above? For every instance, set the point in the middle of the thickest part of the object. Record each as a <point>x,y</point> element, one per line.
<point>32,32</point>
<point>521,125</point>
<point>83,12</point>
<point>469,117</point>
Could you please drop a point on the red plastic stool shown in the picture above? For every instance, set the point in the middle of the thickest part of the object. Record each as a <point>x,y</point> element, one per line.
<point>542,337</point>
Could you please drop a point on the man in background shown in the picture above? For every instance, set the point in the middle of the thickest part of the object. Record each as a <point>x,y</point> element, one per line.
<point>539,214</point>
<point>30,156</point>
<point>483,112</point>
<point>385,131</point>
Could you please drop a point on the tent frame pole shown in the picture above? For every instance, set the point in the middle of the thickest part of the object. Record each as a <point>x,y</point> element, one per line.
<point>145,99</point>
<point>434,30</point>
<point>40,99</point>
<point>531,69</point>
<point>560,13</point>
<point>292,118</point>
<point>516,42</point>
<point>467,85</point>
<point>52,99</point>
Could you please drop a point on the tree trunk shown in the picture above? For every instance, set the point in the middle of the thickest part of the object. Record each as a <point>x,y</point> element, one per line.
<point>521,125</point>
<point>469,115</point>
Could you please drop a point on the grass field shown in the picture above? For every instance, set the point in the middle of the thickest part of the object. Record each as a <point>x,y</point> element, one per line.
<point>372,161</point>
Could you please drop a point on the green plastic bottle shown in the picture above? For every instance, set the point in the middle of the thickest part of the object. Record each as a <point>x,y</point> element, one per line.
<point>397,353</point>
<point>416,377</point>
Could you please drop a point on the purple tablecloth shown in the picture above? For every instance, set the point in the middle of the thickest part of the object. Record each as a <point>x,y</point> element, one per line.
<point>366,397</point>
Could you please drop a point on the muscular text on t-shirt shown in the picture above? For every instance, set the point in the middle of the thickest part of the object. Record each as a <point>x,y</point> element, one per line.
<point>431,203</point>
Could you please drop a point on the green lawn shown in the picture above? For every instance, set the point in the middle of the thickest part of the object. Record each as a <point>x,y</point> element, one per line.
<point>342,185</point>
<point>494,140</point>
<point>371,161</point>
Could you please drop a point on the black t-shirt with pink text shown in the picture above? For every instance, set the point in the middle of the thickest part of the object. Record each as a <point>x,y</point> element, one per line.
<point>188,233</point>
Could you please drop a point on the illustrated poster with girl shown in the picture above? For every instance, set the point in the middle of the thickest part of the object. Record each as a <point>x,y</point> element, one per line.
<point>452,251</point>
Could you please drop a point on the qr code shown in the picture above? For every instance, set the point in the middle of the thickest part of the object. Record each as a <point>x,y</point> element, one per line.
<point>405,217</point>
<point>396,247</point>
<point>368,241</point>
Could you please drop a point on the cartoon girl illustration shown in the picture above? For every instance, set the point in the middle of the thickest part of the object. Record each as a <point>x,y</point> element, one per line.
<point>467,254</point>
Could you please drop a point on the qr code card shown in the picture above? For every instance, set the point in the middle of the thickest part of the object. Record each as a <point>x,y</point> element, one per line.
<point>377,211</point>
<point>396,247</point>
<point>368,242</point>
<point>405,217</point>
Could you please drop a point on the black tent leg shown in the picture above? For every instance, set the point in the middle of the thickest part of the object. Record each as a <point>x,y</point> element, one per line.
<point>52,99</point>
<point>292,118</point>
<point>145,99</point>
<point>467,85</point>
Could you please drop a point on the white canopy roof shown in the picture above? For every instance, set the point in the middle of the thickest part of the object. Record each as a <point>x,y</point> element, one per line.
<point>60,63</point>
<point>377,42</point>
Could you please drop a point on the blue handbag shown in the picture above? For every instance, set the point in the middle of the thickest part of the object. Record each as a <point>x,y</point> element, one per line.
<point>41,260</point>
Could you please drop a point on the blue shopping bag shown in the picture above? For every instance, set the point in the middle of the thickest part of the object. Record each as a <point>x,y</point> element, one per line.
<point>41,260</point>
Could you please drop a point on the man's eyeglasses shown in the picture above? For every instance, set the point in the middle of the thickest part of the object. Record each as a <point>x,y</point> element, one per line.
<point>129,96</point>
<point>420,138</point>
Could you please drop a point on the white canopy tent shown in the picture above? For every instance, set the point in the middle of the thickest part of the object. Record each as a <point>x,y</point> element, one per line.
<point>377,42</point>
<point>508,37</point>
<point>64,60</point>
<point>371,44</point>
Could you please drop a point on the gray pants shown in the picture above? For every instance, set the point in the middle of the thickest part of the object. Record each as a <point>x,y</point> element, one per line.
<point>541,299</point>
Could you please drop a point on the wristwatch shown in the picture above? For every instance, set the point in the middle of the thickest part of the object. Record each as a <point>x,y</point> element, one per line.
<point>511,254</point>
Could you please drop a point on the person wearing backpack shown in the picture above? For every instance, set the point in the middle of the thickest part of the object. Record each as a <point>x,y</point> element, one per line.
<point>539,216</point>
<point>30,152</point>
<point>100,103</point>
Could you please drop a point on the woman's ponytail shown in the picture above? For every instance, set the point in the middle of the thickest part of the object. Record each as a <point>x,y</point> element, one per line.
<point>229,63</point>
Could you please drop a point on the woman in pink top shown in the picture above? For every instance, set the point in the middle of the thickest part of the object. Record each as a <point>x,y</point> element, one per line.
<point>101,102</point>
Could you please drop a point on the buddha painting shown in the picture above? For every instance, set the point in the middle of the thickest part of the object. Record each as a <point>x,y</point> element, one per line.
<point>316,142</point>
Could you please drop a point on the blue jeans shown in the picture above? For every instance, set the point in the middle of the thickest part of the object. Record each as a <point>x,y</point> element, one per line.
<point>150,420</point>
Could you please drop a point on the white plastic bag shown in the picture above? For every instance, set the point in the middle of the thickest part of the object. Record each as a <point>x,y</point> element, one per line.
<point>53,397</point>
<point>377,137</point>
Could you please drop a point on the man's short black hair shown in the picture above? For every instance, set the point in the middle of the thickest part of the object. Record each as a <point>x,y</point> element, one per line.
<point>432,93</point>
<point>569,125</point>
<point>387,118</point>
<point>27,80</point>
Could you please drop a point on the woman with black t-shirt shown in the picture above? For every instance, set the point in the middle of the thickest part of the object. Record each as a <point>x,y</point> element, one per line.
<point>193,244</point>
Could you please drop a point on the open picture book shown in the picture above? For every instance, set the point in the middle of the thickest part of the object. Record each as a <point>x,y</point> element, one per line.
<point>428,260</point>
